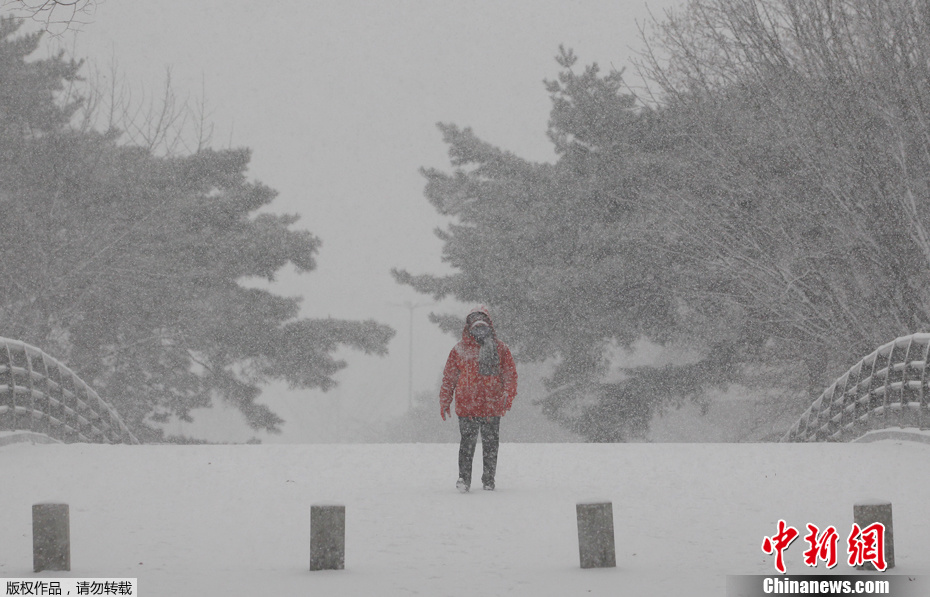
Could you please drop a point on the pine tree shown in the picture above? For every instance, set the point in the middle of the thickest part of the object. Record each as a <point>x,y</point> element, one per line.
<point>563,252</point>
<point>128,266</point>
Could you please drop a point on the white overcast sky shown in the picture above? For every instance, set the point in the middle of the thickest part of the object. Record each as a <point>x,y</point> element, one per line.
<point>338,101</point>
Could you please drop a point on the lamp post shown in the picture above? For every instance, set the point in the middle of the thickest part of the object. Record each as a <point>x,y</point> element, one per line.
<point>411,306</point>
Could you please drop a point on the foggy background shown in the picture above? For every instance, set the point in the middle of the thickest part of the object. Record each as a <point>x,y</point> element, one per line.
<point>338,102</point>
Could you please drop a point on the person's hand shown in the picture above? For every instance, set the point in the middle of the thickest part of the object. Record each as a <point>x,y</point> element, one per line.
<point>445,411</point>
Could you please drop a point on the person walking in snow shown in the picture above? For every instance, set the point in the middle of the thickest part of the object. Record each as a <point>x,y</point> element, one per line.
<point>481,377</point>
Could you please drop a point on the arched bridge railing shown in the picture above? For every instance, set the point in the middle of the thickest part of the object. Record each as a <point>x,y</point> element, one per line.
<point>888,388</point>
<point>40,394</point>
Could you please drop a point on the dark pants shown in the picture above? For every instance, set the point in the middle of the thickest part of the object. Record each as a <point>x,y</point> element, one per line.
<point>489,427</point>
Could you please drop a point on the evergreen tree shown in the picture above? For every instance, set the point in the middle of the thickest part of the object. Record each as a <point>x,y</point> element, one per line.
<point>565,254</point>
<point>129,266</point>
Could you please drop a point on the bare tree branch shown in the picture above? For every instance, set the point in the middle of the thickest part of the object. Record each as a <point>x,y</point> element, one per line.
<point>55,16</point>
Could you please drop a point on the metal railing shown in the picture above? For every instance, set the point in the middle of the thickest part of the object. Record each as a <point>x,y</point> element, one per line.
<point>40,394</point>
<point>887,388</point>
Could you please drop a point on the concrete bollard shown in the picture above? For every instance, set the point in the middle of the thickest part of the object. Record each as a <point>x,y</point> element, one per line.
<point>51,537</point>
<point>596,535</point>
<point>870,512</point>
<point>327,537</point>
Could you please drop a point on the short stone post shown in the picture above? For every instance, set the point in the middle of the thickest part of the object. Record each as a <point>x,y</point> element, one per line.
<point>51,537</point>
<point>327,537</point>
<point>596,535</point>
<point>869,512</point>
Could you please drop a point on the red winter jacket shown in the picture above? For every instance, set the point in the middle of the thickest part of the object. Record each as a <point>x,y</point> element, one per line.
<point>477,395</point>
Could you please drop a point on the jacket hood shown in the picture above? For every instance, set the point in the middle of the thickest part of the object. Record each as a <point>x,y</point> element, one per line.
<point>481,309</point>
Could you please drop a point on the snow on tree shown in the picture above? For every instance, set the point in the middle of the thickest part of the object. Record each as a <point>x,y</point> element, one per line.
<point>128,265</point>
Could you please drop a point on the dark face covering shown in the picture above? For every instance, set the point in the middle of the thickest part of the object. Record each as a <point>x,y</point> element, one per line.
<point>481,332</point>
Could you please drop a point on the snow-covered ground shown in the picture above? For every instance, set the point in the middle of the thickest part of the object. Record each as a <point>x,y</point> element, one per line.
<point>235,520</point>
